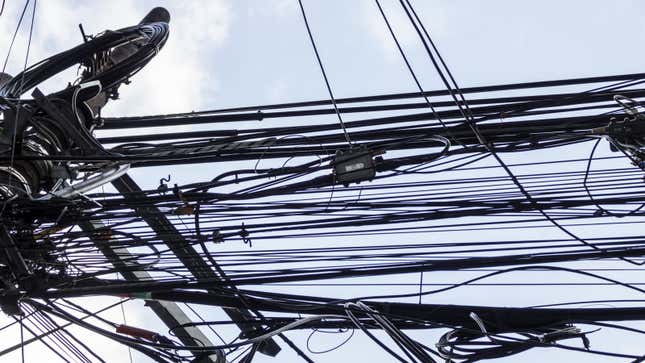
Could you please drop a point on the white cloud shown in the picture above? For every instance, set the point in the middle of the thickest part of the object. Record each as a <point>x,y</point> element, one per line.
<point>178,78</point>
<point>376,26</point>
<point>277,91</point>
<point>174,81</point>
<point>277,9</point>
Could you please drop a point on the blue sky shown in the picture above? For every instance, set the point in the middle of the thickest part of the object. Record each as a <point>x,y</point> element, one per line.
<point>231,53</point>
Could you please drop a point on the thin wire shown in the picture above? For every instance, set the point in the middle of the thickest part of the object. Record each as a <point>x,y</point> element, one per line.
<point>202,319</point>
<point>337,346</point>
<point>467,114</point>
<point>409,66</point>
<point>15,33</point>
<point>35,334</point>
<point>22,339</point>
<point>126,323</point>
<point>22,82</point>
<point>420,286</point>
<point>324,74</point>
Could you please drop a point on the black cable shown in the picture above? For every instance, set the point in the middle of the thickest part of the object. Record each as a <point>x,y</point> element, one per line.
<point>468,118</point>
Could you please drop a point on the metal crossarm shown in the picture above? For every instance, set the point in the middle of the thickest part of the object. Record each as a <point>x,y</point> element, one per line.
<point>169,312</point>
<point>187,255</point>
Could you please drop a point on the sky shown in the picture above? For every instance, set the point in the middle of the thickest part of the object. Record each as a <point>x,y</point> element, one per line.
<point>232,53</point>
